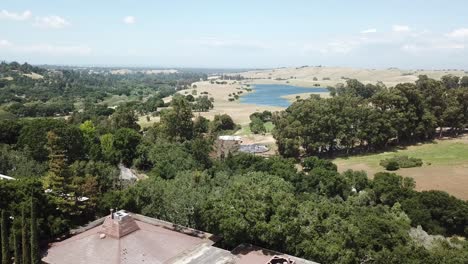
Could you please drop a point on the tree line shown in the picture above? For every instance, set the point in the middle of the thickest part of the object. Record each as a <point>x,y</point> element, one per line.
<point>371,117</point>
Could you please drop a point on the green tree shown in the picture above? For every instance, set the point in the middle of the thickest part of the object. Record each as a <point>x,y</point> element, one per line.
<point>176,123</point>
<point>90,140</point>
<point>16,247</point>
<point>124,117</point>
<point>450,81</point>
<point>9,131</point>
<point>257,126</point>
<point>6,259</point>
<point>357,179</point>
<point>201,125</point>
<point>58,180</point>
<point>168,158</point>
<point>464,82</point>
<point>200,149</point>
<point>125,143</point>
<point>25,239</point>
<point>311,163</point>
<point>202,104</point>
<point>222,122</point>
<point>33,137</point>
<point>253,208</point>
<point>108,150</point>
<point>391,188</point>
<point>35,254</point>
<point>438,213</point>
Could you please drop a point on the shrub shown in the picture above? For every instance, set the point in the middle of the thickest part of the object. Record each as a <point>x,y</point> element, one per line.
<point>392,165</point>
<point>400,162</point>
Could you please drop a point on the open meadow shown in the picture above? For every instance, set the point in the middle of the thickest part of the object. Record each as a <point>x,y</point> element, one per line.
<point>445,165</point>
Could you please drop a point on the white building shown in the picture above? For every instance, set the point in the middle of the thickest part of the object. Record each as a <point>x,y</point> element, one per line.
<point>4,177</point>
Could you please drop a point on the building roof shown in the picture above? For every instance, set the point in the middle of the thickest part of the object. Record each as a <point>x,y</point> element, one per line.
<point>249,254</point>
<point>234,138</point>
<point>148,241</point>
<point>131,238</point>
<point>4,177</point>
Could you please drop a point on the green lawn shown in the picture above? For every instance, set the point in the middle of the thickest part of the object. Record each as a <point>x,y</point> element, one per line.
<point>446,152</point>
<point>245,130</point>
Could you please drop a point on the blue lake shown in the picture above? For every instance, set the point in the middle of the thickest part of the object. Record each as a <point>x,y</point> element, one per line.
<point>270,94</point>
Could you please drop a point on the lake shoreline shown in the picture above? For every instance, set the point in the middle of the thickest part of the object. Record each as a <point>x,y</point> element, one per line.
<point>277,95</point>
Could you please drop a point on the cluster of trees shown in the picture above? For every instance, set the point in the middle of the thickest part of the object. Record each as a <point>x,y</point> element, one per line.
<point>258,120</point>
<point>370,117</point>
<point>316,213</point>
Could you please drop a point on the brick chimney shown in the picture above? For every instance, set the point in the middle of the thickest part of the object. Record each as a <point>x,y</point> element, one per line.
<point>119,224</point>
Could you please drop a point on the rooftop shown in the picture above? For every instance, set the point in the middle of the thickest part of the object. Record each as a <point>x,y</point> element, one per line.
<point>229,138</point>
<point>4,177</point>
<point>123,237</point>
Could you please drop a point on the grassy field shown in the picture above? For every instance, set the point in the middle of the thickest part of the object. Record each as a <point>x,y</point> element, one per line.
<point>445,152</point>
<point>445,165</point>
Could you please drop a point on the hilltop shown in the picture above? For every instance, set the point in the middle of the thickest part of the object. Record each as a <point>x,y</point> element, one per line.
<point>330,76</point>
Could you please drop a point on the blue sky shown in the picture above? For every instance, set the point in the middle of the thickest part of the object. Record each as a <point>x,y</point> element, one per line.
<point>236,34</point>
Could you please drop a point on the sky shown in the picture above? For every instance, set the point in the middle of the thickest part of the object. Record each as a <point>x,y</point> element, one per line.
<point>416,34</point>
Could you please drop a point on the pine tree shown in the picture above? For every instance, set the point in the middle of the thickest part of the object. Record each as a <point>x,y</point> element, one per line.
<point>58,179</point>
<point>55,178</point>
<point>5,245</point>
<point>25,238</point>
<point>35,257</point>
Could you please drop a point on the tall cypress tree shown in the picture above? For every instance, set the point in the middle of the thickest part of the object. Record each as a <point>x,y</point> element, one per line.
<point>35,258</point>
<point>17,247</point>
<point>5,245</point>
<point>25,237</point>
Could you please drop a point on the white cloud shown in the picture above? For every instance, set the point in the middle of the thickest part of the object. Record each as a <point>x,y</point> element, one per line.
<point>4,14</point>
<point>56,50</point>
<point>129,20</point>
<point>343,46</point>
<point>4,43</point>
<point>459,33</point>
<point>370,30</point>
<point>433,46</point>
<point>47,49</point>
<point>400,28</point>
<point>54,22</point>
<point>231,43</point>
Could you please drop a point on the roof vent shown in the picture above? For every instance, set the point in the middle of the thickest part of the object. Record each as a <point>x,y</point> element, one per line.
<point>281,260</point>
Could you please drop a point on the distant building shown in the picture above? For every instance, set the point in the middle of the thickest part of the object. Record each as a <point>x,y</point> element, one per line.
<point>230,138</point>
<point>123,237</point>
<point>225,145</point>
<point>4,177</point>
